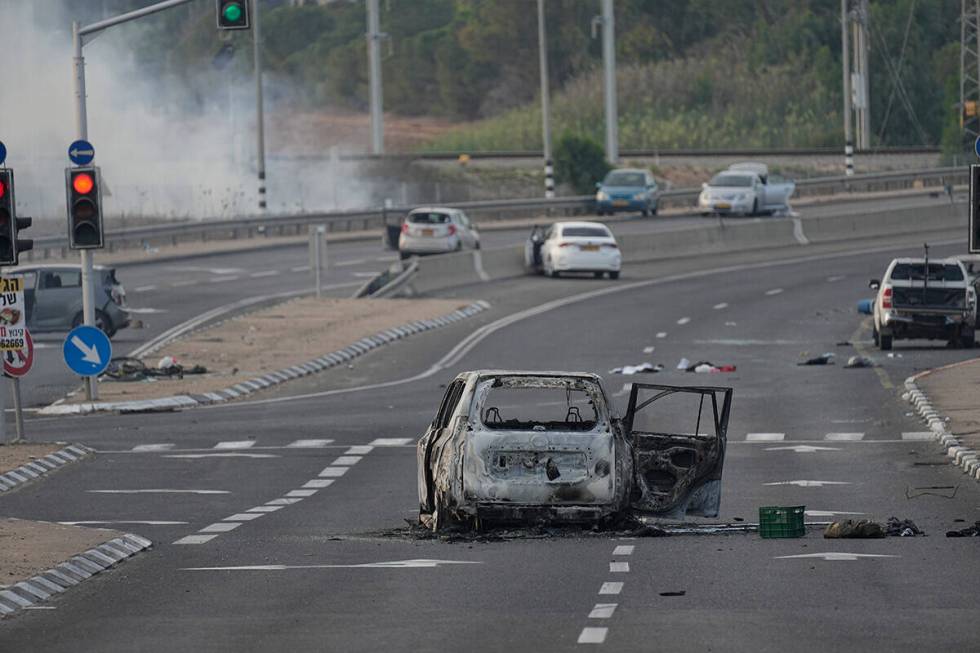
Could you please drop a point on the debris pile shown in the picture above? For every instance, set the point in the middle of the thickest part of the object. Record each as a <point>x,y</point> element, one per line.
<point>822,359</point>
<point>902,528</point>
<point>867,529</point>
<point>642,368</point>
<point>126,368</point>
<point>859,361</point>
<point>971,531</point>
<point>703,367</point>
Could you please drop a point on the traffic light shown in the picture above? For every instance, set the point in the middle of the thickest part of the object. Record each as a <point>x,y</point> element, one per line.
<point>84,208</point>
<point>233,14</point>
<point>8,217</point>
<point>975,209</point>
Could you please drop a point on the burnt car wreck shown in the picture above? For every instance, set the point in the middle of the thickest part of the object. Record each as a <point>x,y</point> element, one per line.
<point>546,447</point>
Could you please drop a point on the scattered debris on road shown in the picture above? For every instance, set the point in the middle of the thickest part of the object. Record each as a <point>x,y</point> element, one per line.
<point>971,531</point>
<point>859,361</point>
<point>822,359</point>
<point>902,528</point>
<point>851,529</point>
<point>125,368</point>
<point>642,368</point>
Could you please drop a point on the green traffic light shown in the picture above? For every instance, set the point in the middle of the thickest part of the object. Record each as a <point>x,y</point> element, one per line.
<point>233,12</point>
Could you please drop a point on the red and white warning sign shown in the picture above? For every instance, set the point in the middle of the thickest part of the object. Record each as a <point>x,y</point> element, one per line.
<point>18,363</point>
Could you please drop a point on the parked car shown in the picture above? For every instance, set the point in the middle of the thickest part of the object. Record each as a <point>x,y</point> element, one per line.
<point>745,189</point>
<point>938,305</point>
<point>53,298</point>
<point>429,230</point>
<point>573,247</point>
<point>510,446</point>
<point>627,189</point>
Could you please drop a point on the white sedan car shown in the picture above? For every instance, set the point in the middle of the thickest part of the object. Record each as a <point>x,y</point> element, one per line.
<point>573,247</point>
<point>746,189</point>
<point>428,230</point>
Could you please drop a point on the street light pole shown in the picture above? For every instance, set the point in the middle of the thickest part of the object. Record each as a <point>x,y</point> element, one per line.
<point>374,37</point>
<point>846,64</point>
<point>609,64</point>
<point>259,103</point>
<point>549,171</point>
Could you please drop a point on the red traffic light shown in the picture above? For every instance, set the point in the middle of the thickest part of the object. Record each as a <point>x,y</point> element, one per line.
<point>83,183</point>
<point>3,188</point>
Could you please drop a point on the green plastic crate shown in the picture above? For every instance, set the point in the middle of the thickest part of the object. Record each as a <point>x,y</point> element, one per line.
<point>781,521</point>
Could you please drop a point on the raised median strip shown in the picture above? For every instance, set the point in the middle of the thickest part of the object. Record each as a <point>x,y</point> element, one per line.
<point>40,467</point>
<point>41,587</point>
<point>274,378</point>
<point>961,450</point>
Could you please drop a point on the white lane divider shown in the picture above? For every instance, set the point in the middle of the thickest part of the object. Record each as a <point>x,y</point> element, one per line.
<point>300,268</point>
<point>158,491</point>
<point>619,567</point>
<point>359,450</point>
<point>836,277</point>
<point>264,273</point>
<point>774,291</point>
<point>153,447</point>
<point>610,587</point>
<point>391,442</point>
<point>918,435</point>
<point>142,522</point>
<point>309,444</point>
<point>648,350</point>
<point>593,635</point>
<point>809,483</point>
<point>720,306</point>
<point>802,448</point>
<point>765,437</point>
<point>844,437</point>
<point>662,334</point>
<point>603,610</point>
<point>597,634</point>
<point>221,455</point>
<point>337,469</point>
<point>223,279</point>
<point>235,444</point>
<point>624,550</point>
<point>836,556</point>
<point>683,321</point>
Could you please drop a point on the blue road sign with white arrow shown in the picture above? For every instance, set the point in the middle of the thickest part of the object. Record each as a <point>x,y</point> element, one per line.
<point>87,350</point>
<point>81,153</point>
<point>3,152</point>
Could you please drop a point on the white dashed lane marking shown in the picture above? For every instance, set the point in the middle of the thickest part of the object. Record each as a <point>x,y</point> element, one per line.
<point>619,567</point>
<point>235,444</point>
<point>809,483</point>
<point>662,334</point>
<point>918,435</point>
<point>624,550</point>
<point>683,321</point>
<point>611,587</point>
<point>648,350</point>
<point>359,450</point>
<point>720,306</point>
<point>223,279</point>
<point>391,442</point>
<point>195,539</point>
<point>592,635</point>
<point>264,509</point>
<point>335,472</point>
<point>603,610</point>
<point>309,444</point>
<point>346,460</point>
<point>222,455</point>
<point>243,516</point>
<point>301,493</point>
<point>159,491</point>
<point>318,483</point>
<point>264,273</point>
<point>765,437</point>
<point>344,264</point>
<point>774,291</point>
<point>300,268</point>
<point>219,527</point>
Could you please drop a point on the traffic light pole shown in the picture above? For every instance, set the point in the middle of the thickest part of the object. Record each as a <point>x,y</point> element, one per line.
<point>81,130</point>
<point>259,108</point>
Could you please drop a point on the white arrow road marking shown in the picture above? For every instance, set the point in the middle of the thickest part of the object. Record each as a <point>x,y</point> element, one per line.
<point>144,523</point>
<point>394,564</point>
<point>222,455</point>
<point>89,354</point>
<point>159,491</point>
<point>803,448</point>
<point>828,513</point>
<point>765,437</point>
<point>809,483</point>
<point>837,555</point>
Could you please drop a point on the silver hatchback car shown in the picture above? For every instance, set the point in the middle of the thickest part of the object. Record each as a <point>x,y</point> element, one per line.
<point>436,231</point>
<point>53,298</point>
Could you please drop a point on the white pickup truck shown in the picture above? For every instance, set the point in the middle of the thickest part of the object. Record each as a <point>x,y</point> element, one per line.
<point>940,305</point>
<point>745,189</point>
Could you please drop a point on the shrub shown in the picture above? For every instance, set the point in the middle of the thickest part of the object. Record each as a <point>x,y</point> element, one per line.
<point>580,162</point>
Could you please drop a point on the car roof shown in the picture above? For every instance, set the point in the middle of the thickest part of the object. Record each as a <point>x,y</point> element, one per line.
<point>578,375</point>
<point>949,260</point>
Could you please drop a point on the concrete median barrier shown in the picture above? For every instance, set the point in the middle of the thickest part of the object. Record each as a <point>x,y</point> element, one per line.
<point>885,223</point>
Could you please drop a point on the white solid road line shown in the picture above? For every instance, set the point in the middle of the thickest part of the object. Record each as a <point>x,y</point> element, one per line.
<point>619,567</point>
<point>624,550</point>
<point>720,306</point>
<point>346,460</point>
<point>828,513</point>
<point>836,555</point>
<point>309,444</point>
<point>391,442</point>
<point>264,273</point>
<point>359,450</point>
<point>610,587</point>
<point>809,483</point>
<point>153,447</point>
<point>603,610</point>
<point>235,444</point>
<point>223,279</point>
<point>140,522</point>
<point>683,321</point>
<point>803,448</point>
<point>774,291</point>
<point>221,455</point>
<point>394,564</point>
<point>765,437</point>
<point>844,437</point>
<point>591,635</point>
<point>159,491</point>
<point>918,435</point>
<point>195,539</point>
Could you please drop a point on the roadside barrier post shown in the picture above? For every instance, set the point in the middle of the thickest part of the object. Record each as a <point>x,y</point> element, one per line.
<point>318,256</point>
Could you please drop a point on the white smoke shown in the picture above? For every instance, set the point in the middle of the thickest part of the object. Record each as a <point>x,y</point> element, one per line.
<point>168,148</point>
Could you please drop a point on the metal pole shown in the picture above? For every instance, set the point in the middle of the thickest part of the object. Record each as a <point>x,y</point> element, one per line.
<point>317,260</point>
<point>18,410</point>
<point>81,130</point>
<point>609,64</point>
<point>374,37</point>
<point>846,64</point>
<point>259,104</point>
<point>549,172</point>
<point>865,73</point>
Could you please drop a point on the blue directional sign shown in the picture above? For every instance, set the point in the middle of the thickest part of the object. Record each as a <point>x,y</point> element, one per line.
<point>976,147</point>
<point>87,351</point>
<point>81,153</point>
<point>3,152</point>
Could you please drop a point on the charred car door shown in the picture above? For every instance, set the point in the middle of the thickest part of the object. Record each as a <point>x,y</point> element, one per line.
<point>677,437</point>
<point>433,441</point>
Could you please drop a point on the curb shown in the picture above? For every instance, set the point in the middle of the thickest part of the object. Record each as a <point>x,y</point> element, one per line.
<point>341,356</point>
<point>69,573</point>
<point>40,467</point>
<point>963,457</point>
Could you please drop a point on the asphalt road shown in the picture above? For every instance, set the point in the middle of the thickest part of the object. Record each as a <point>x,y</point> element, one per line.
<point>168,293</point>
<point>305,574</point>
